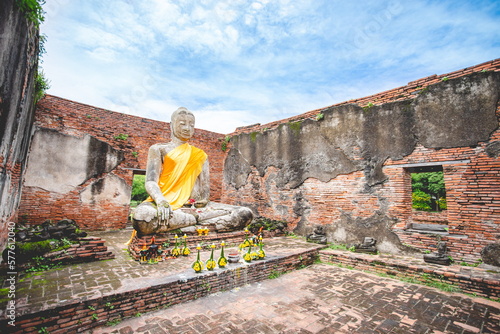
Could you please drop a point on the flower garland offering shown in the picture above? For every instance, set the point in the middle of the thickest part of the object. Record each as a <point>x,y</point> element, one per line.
<point>185,251</point>
<point>248,255</point>
<point>254,255</point>
<point>261,254</point>
<point>202,231</point>
<point>222,262</point>
<point>247,242</point>
<point>198,265</point>
<point>176,251</point>
<point>211,262</point>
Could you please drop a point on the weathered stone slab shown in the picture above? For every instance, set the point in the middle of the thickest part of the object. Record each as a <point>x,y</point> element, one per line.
<point>429,227</point>
<point>491,254</point>
<point>59,162</point>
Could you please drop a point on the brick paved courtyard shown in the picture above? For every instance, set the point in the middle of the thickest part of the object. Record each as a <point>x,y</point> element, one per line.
<point>323,299</point>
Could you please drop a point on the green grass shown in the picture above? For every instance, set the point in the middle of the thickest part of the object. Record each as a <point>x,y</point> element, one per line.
<point>423,279</point>
<point>338,246</point>
<point>275,273</point>
<point>341,247</point>
<point>113,322</point>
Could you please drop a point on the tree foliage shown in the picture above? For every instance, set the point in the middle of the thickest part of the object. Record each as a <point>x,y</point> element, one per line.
<point>32,10</point>
<point>428,191</point>
<point>138,190</point>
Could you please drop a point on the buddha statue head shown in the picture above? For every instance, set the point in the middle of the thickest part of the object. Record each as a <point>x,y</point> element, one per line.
<point>182,124</point>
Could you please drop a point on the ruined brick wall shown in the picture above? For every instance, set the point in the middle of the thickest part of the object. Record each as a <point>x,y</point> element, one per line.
<point>124,137</point>
<point>472,179</point>
<point>18,67</point>
<point>350,172</point>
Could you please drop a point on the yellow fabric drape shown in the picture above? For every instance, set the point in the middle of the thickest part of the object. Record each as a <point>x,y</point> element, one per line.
<point>181,168</point>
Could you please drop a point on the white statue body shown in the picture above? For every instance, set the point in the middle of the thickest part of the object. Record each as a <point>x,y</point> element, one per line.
<point>157,215</point>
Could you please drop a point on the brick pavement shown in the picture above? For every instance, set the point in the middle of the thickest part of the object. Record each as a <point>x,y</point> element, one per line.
<point>86,281</point>
<point>77,297</point>
<point>318,299</point>
<point>322,299</point>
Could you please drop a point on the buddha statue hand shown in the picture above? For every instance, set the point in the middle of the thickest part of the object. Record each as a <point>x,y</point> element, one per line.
<point>164,212</point>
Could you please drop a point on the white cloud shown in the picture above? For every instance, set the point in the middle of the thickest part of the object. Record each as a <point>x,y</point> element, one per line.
<point>247,62</point>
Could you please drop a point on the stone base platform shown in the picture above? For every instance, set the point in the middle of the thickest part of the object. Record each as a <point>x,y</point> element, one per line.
<point>80,297</point>
<point>137,243</point>
<point>230,239</point>
<point>192,240</point>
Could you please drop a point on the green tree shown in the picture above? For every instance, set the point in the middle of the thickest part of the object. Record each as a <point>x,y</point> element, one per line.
<point>421,200</point>
<point>139,193</point>
<point>428,191</point>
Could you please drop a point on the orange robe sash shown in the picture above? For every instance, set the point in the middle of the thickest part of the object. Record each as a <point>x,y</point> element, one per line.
<point>181,168</point>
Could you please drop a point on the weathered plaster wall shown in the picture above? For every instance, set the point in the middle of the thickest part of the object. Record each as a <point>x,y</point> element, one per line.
<point>81,166</point>
<point>18,65</point>
<point>342,171</point>
<point>59,162</point>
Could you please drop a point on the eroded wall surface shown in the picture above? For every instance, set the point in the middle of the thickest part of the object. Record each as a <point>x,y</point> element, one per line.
<point>349,170</point>
<point>18,65</point>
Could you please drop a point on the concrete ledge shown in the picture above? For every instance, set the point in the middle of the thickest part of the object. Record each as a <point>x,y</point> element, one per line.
<point>479,281</point>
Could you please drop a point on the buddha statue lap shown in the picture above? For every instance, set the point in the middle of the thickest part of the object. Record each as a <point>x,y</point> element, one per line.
<point>177,180</point>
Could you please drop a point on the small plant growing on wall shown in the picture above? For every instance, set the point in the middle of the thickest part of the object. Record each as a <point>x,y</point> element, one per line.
<point>253,136</point>
<point>320,116</point>
<point>226,140</point>
<point>41,85</point>
<point>423,90</point>
<point>368,106</point>
<point>295,127</point>
<point>121,136</point>
<point>33,12</point>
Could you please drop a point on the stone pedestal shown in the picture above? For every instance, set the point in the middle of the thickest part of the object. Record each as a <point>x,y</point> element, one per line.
<point>440,257</point>
<point>368,246</point>
<point>167,241</point>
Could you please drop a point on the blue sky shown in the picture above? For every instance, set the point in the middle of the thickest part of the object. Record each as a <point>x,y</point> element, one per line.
<point>238,62</point>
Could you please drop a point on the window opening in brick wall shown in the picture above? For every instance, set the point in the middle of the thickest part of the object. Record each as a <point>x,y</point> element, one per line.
<point>428,188</point>
<point>139,193</point>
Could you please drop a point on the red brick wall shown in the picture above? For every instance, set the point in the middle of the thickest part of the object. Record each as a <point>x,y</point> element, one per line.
<point>472,193</point>
<point>472,188</point>
<point>478,283</point>
<point>77,119</point>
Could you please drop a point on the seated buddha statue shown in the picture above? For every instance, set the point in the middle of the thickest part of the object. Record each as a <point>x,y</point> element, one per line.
<point>178,184</point>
